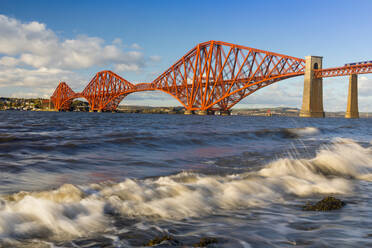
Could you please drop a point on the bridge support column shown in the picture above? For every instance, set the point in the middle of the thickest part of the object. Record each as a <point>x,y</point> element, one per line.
<point>312,99</point>
<point>352,99</point>
<point>202,112</point>
<point>225,112</point>
<point>188,112</point>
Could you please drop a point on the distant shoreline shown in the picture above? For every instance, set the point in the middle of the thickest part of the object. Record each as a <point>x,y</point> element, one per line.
<point>42,104</point>
<point>265,112</point>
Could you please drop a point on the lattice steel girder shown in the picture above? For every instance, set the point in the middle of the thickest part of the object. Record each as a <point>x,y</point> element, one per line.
<point>62,96</point>
<point>344,70</point>
<point>104,87</point>
<point>212,75</point>
<point>212,72</point>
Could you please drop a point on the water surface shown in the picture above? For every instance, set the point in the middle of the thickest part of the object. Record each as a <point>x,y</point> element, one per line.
<point>120,180</point>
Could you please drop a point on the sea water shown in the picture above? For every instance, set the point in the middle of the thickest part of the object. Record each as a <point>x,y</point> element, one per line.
<point>120,180</point>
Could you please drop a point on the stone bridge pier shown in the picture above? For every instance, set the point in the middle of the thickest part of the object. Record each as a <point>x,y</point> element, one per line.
<point>352,99</point>
<point>312,99</point>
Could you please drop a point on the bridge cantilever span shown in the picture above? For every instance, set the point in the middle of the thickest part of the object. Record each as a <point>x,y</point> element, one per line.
<point>344,70</point>
<point>103,87</point>
<point>214,75</point>
<point>217,75</point>
<point>62,96</point>
<point>312,101</point>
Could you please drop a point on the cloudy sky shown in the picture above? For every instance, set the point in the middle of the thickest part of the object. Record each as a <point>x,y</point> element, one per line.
<point>45,42</point>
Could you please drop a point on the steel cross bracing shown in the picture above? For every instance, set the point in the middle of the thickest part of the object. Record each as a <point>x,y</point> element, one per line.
<point>217,75</point>
<point>105,90</point>
<point>214,75</point>
<point>344,70</point>
<point>62,96</point>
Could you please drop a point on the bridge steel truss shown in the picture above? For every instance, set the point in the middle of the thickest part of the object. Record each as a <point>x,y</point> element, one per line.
<point>217,75</point>
<point>62,97</point>
<point>344,70</point>
<point>106,90</point>
<point>214,75</point>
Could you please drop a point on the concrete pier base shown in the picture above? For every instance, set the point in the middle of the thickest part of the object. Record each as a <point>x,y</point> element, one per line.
<point>202,112</point>
<point>211,112</point>
<point>225,112</point>
<point>352,99</point>
<point>188,112</point>
<point>312,99</point>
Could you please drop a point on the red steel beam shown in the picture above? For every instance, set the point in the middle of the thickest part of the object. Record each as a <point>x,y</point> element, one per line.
<point>344,70</point>
<point>212,75</point>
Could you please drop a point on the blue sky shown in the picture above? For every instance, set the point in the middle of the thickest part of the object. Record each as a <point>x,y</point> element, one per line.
<point>141,39</point>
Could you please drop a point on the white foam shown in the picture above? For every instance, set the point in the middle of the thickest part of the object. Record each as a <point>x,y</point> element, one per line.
<point>51,213</point>
<point>304,131</point>
<point>69,211</point>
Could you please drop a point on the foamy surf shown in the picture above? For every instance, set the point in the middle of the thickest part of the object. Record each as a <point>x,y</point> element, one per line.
<point>74,211</point>
<point>303,131</point>
<point>288,132</point>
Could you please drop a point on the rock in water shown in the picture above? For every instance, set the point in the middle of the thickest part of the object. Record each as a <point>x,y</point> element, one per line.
<point>205,242</point>
<point>326,204</point>
<point>159,240</point>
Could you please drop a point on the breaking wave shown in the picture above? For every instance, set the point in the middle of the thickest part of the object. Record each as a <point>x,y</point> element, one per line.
<point>73,211</point>
<point>288,132</point>
<point>303,131</point>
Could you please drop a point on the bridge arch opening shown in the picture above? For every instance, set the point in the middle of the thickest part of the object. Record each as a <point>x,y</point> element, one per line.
<point>66,104</point>
<point>153,98</point>
<point>316,66</point>
<point>284,93</point>
<point>79,105</point>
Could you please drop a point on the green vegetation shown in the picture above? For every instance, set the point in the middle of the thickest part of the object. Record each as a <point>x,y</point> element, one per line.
<point>24,104</point>
<point>205,242</point>
<point>158,240</point>
<point>37,104</point>
<point>326,204</point>
<point>150,110</point>
<point>78,105</point>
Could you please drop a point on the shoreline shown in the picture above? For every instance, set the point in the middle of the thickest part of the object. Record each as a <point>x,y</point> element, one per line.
<point>180,111</point>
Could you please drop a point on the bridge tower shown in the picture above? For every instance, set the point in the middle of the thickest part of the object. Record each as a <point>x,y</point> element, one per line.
<point>312,99</point>
<point>352,99</point>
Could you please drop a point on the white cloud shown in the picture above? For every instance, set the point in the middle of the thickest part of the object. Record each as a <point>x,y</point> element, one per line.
<point>155,58</point>
<point>364,86</point>
<point>43,93</point>
<point>39,77</point>
<point>136,46</point>
<point>17,38</point>
<point>8,61</point>
<point>37,46</point>
<point>124,68</point>
<point>34,60</point>
<point>33,55</point>
<point>153,98</point>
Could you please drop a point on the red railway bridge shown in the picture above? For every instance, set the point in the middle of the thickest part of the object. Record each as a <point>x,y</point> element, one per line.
<point>216,75</point>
